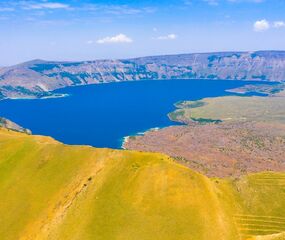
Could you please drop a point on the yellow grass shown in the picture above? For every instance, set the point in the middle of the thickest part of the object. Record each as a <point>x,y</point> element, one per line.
<point>53,191</point>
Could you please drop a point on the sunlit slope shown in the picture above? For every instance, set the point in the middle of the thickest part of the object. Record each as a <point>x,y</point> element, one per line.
<point>258,202</point>
<point>53,191</point>
<point>278,236</point>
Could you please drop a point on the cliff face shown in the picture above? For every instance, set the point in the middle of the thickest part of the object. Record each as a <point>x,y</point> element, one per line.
<point>37,78</point>
<point>5,123</point>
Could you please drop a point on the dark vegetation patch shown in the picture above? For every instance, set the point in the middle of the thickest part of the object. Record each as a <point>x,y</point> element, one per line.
<point>206,120</point>
<point>261,77</point>
<point>52,75</point>
<point>189,75</point>
<point>212,58</point>
<point>186,104</point>
<point>44,67</point>
<point>176,114</point>
<point>72,64</point>
<point>265,89</point>
<point>74,78</point>
<point>212,76</point>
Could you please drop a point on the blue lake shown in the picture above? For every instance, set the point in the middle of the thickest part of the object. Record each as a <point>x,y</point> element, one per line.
<point>101,115</point>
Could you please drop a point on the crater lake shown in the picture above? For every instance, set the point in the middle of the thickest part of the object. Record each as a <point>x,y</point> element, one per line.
<point>102,115</point>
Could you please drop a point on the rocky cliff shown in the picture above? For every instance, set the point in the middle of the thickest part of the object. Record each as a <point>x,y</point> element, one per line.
<point>5,123</point>
<point>35,79</point>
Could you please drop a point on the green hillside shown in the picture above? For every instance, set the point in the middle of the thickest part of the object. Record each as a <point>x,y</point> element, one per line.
<point>232,108</point>
<point>49,190</point>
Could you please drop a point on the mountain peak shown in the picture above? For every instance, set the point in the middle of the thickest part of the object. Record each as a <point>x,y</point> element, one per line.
<point>32,62</point>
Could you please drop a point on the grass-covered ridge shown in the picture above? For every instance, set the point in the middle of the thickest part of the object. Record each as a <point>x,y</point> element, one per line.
<point>49,190</point>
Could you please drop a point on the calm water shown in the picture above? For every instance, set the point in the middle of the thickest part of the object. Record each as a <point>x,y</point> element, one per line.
<point>101,115</point>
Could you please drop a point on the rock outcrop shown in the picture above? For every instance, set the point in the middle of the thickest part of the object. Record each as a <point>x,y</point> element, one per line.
<point>5,123</point>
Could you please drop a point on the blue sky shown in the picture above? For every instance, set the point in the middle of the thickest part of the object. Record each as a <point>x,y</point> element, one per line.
<point>86,29</point>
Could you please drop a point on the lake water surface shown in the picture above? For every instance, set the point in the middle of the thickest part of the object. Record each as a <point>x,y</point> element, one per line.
<point>101,115</point>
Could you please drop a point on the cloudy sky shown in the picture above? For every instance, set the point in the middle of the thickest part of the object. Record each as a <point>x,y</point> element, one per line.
<point>89,29</point>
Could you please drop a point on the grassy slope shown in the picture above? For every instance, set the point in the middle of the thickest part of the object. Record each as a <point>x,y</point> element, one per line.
<point>52,191</point>
<point>269,109</point>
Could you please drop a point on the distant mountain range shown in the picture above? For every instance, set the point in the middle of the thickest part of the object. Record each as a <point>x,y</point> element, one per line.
<point>35,79</point>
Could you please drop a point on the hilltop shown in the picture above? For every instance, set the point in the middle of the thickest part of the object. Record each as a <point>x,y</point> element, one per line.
<point>35,79</point>
<point>49,190</point>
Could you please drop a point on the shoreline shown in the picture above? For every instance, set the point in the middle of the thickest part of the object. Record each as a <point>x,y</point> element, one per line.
<point>249,81</point>
<point>125,139</point>
<point>63,95</point>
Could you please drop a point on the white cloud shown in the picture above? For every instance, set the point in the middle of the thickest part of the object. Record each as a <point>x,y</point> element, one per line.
<point>117,9</point>
<point>6,9</point>
<point>246,1</point>
<point>217,2</point>
<point>90,42</point>
<point>212,2</point>
<point>47,5</point>
<point>188,2</point>
<point>279,24</point>
<point>120,38</point>
<point>171,36</point>
<point>261,25</point>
